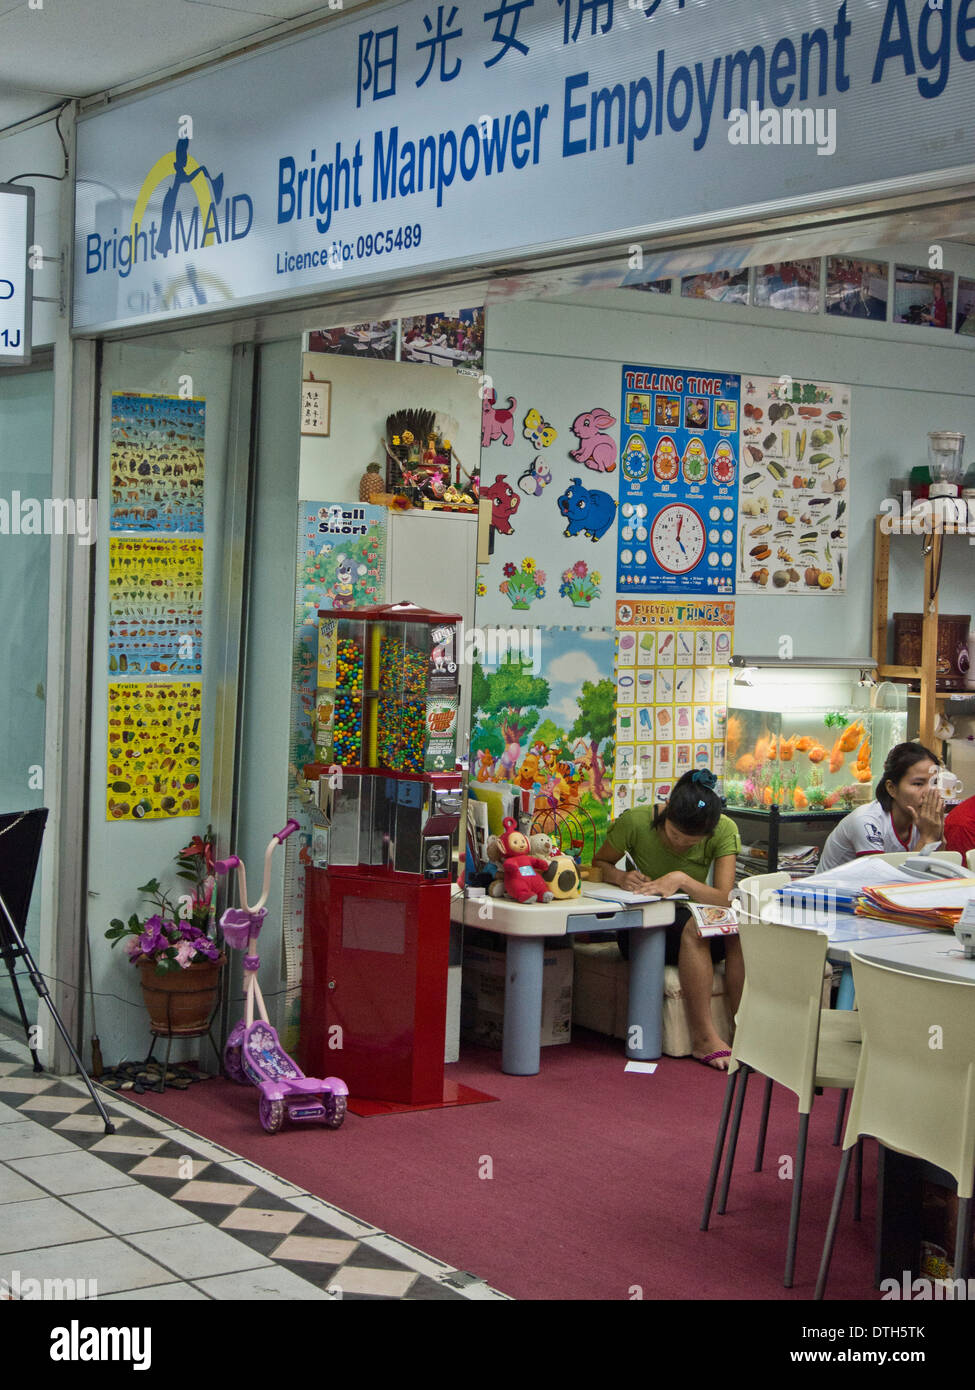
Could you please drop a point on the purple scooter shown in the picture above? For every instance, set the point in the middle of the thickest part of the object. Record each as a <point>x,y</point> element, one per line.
<point>253,1052</point>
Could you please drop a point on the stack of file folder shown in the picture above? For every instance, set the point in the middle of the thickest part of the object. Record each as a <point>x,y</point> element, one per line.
<point>937,906</point>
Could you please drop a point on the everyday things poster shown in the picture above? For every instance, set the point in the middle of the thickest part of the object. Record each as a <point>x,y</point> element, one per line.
<point>671,672</point>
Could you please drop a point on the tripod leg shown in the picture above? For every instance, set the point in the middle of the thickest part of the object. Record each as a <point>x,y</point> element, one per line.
<point>9,959</point>
<point>99,1103</point>
<point>42,991</point>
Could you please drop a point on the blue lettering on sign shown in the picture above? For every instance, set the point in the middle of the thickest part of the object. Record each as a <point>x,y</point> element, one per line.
<point>507,40</point>
<point>934,34</point>
<point>439,41</point>
<point>376,68</point>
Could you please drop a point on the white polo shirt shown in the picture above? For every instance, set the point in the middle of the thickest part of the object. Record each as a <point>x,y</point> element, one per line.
<point>867,830</point>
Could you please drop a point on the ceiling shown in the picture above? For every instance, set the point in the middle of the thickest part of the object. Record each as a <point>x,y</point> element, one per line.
<point>66,49</point>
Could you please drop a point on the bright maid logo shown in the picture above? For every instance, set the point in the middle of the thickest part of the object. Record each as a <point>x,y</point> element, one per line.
<point>181,207</point>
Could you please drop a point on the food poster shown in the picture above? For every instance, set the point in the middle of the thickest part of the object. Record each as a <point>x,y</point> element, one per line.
<point>671,672</point>
<point>795,452</point>
<point>543,723</point>
<point>154,749</point>
<point>156,462</point>
<point>340,563</point>
<point>155,598</point>
<point>678,488</point>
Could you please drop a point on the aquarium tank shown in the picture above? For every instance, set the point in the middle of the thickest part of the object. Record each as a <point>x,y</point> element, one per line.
<point>807,746</point>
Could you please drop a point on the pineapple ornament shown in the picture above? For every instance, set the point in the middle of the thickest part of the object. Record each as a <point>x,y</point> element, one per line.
<point>370,484</point>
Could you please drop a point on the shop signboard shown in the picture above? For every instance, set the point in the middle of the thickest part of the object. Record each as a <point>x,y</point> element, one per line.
<point>16,232</point>
<point>422,135</point>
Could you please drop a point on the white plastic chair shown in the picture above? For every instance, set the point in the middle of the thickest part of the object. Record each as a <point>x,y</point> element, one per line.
<point>783,1033</point>
<point>898,856</point>
<point>913,1098</point>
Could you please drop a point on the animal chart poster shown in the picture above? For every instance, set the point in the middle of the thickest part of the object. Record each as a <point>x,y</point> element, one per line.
<point>672,669</point>
<point>156,461</point>
<point>793,518</point>
<point>153,765</point>
<point>678,488</point>
<point>155,590</point>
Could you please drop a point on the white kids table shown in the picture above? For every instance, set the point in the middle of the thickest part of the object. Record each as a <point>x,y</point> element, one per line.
<point>526,927</point>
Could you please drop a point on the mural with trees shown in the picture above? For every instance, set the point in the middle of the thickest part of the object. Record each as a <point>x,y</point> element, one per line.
<point>551,737</point>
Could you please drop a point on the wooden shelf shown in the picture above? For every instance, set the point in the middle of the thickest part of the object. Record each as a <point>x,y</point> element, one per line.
<point>926,673</point>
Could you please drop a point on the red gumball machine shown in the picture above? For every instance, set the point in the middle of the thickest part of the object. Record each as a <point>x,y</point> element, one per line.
<point>377,906</point>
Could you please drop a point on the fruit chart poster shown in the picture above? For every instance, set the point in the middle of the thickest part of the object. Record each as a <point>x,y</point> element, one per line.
<point>671,671</point>
<point>153,750</point>
<point>793,514</point>
<point>678,512</point>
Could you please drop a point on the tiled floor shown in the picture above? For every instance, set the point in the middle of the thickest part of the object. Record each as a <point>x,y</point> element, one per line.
<point>154,1212</point>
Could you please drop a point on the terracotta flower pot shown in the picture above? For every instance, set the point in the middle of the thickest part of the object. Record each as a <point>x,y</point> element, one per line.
<point>181,1002</point>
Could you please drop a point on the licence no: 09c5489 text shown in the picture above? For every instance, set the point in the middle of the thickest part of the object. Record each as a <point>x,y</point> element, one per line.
<point>382,242</point>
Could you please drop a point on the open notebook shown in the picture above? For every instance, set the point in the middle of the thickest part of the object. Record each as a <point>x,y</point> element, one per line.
<point>609,893</point>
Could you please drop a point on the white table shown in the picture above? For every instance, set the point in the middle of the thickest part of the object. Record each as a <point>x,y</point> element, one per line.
<point>527,926</point>
<point>846,933</point>
<point>933,953</point>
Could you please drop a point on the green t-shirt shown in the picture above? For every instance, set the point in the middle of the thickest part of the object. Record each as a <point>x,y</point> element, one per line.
<point>634,832</point>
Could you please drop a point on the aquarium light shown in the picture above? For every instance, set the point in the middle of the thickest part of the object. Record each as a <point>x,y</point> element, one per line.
<point>844,663</point>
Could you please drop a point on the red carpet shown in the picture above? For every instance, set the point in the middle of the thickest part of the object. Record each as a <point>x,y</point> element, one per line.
<point>585,1182</point>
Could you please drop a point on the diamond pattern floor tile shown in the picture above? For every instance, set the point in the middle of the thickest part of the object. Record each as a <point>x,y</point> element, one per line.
<point>221,1194</point>
<point>154,1212</point>
<point>261,1219</point>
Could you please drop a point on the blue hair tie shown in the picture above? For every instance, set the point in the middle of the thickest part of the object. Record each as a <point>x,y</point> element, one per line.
<point>705,778</point>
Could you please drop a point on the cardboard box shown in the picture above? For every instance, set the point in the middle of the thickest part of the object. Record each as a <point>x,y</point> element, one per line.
<point>483,984</point>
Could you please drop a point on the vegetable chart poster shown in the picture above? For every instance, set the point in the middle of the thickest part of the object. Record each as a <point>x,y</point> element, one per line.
<point>795,466</point>
<point>155,592</point>
<point>672,669</point>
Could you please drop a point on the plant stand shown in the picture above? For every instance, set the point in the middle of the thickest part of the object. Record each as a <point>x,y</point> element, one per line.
<point>168,1026</point>
<point>199,1033</point>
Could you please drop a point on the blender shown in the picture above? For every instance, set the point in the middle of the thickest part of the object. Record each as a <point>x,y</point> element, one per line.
<point>944,457</point>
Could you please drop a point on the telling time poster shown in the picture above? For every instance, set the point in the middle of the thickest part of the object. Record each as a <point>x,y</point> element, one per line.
<point>678,512</point>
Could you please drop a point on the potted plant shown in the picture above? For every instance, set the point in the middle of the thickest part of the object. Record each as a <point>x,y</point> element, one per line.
<point>175,947</point>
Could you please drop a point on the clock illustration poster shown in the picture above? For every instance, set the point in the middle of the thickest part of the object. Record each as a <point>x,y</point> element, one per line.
<point>678,488</point>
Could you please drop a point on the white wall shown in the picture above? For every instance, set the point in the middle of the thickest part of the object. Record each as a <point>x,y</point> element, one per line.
<point>124,854</point>
<point>363,395</point>
<point>567,356</point>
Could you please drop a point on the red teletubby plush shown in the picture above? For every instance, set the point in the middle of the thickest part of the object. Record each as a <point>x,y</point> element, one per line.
<point>521,868</point>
